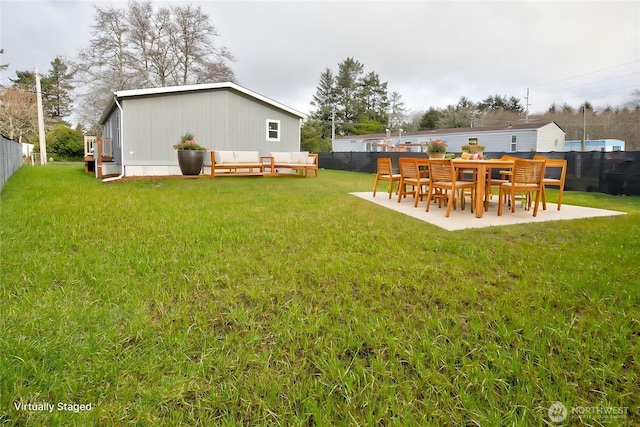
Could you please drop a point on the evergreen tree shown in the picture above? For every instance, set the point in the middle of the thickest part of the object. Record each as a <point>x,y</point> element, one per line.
<point>26,80</point>
<point>586,105</point>
<point>325,100</point>
<point>374,99</point>
<point>57,96</point>
<point>498,102</point>
<point>55,86</point>
<point>513,105</point>
<point>347,94</point>
<point>366,126</point>
<point>430,119</point>
<point>348,97</point>
<point>312,139</point>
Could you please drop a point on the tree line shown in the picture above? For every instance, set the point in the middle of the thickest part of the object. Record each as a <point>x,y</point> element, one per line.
<point>351,102</point>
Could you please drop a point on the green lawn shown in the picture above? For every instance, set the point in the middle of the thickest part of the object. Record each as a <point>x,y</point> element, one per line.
<point>285,301</point>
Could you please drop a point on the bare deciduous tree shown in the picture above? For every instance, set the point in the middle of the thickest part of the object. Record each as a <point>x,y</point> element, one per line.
<point>18,113</point>
<point>141,47</point>
<point>397,110</point>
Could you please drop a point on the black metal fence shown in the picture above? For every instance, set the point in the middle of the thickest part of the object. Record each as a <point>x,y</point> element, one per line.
<point>10,158</point>
<point>615,172</point>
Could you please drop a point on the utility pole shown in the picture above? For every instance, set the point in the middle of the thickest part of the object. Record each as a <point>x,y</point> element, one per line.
<point>43,143</point>
<point>526,110</point>
<point>333,124</point>
<point>584,126</point>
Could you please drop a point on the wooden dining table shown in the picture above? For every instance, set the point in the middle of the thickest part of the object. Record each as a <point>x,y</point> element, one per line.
<point>482,169</point>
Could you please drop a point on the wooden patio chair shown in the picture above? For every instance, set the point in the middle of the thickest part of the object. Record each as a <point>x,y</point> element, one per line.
<point>550,180</point>
<point>442,176</point>
<point>527,177</point>
<point>410,176</point>
<point>496,182</point>
<point>385,173</point>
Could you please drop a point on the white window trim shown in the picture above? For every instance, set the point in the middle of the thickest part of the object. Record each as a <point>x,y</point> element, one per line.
<point>269,138</point>
<point>514,144</point>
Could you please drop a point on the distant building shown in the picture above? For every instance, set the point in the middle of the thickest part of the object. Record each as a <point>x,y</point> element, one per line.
<point>512,138</point>
<point>27,149</point>
<point>595,145</point>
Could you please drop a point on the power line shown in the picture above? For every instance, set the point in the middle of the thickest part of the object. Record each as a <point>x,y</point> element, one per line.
<point>592,83</point>
<point>592,93</point>
<point>563,98</point>
<point>586,74</point>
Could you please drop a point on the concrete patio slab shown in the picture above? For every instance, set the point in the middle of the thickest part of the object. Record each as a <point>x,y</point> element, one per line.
<point>462,219</point>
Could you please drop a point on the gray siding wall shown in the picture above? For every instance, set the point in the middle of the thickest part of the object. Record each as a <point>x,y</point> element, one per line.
<point>247,121</point>
<point>526,140</point>
<point>219,120</point>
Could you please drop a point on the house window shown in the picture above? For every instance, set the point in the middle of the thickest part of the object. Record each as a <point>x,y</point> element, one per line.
<point>514,143</point>
<point>273,130</point>
<point>118,129</point>
<point>473,141</point>
<point>107,129</point>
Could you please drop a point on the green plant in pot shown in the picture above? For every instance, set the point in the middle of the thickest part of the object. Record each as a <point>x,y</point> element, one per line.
<point>436,148</point>
<point>190,155</point>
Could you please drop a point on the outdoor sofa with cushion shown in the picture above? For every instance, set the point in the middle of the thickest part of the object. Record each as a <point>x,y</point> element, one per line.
<point>239,162</point>
<point>296,161</point>
<point>252,163</point>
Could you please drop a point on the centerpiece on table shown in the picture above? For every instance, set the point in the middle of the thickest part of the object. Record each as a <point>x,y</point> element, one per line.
<point>190,155</point>
<point>436,148</point>
<point>473,152</point>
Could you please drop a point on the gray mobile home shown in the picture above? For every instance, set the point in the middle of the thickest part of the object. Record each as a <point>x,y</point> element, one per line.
<point>141,126</point>
<point>541,137</point>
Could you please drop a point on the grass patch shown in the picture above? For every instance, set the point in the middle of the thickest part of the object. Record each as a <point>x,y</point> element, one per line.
<point>277,301</point>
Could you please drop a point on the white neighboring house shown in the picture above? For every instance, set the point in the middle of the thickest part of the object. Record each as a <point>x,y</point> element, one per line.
<point>512,138</point>
<point>27,149</point>
<point>606,145</point>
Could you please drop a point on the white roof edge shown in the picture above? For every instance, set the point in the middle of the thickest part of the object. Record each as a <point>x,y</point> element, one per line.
<point>208,86</point>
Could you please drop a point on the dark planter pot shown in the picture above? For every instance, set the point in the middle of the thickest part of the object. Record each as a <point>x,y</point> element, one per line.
<point>190,161</point>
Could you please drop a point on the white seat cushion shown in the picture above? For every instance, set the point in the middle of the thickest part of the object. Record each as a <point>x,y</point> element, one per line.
<point>224,157</point>
<point>246,157</point>
<point>300,158</point>
<point>281,157</point>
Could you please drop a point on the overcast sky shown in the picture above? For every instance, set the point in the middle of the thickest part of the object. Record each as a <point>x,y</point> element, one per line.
<point>431,52</point>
